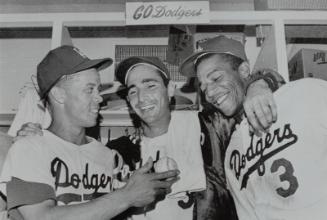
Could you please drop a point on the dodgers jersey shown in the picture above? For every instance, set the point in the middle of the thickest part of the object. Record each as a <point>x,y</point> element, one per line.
<point>283,173</point>
<point>38,168</point>
<point>182,143</point>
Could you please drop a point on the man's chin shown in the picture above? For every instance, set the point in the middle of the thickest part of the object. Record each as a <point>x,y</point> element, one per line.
<point>228,111</point>
<point>147,114</point>
<point>149,119</point>
<point>89,125</point>
<point>91,122</point>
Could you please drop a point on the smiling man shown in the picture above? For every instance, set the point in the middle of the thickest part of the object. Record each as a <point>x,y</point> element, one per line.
<point>65,174</point>
<point>281,174</point>
<point>179,135</point>
<point>165,136</point>
<point>149,96</point>
<point>216,70</point>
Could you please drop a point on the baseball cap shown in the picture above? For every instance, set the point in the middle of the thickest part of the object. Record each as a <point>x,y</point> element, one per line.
<point>64,60</point>
<point>124,67</point>
<point>220,44</point>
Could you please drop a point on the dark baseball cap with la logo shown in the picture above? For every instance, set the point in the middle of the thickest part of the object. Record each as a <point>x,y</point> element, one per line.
<point>216,45</point>
<point>64,60</point>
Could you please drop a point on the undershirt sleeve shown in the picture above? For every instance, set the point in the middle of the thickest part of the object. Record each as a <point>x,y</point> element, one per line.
<point>22,193</point>
<point>26,174</point>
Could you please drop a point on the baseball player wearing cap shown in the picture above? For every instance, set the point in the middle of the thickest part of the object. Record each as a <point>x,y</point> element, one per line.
<point>230,48</point>
<point>208,204</point>
<point>215,124</point>
<point>281,174</point>
<point>65,174</point>
<point>173,135</point>
<point>176,135</point>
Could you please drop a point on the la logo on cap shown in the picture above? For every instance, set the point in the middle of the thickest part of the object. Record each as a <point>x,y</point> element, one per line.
<point>79,52</point>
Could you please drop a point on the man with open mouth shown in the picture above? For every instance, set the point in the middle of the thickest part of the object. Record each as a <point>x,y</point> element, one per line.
<point>179,135</point>
<point>65,174</point>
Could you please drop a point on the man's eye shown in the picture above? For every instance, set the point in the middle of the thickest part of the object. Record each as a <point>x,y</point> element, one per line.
<point>216,79</point>
<point>89,90</point>
<point>150,86</point>
<point>131,92</point>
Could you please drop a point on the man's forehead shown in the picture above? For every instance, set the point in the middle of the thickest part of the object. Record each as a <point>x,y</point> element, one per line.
<point>211,65</point>
<point>143,73</point>
<point>85,76</point>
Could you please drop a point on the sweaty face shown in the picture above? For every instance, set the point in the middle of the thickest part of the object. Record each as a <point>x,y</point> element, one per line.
<point>147,94</point>
<point>82,98</point>
<point>221,84</point>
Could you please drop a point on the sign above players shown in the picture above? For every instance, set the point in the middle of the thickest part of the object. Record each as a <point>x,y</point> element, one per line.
<point>172,12</point>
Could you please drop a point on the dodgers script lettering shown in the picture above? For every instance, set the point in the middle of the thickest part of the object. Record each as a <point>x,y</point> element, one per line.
<point>163,11</point>
<point>63,178</point>
<point>259,151</point>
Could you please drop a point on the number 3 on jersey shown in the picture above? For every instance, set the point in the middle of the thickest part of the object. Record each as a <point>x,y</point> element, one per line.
<point>286,176</point>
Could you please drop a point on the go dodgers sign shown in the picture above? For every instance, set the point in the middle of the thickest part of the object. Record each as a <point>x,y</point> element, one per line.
<point>181,12</point>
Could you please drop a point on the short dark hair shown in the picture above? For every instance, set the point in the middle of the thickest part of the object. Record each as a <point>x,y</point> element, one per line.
<point>234,61</point>
<point>164,78</point>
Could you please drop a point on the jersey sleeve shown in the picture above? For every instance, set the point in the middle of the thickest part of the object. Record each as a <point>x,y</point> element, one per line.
<point>26,175</point>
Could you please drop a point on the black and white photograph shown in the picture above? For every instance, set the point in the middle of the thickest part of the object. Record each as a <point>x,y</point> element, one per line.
<point>163,110</point>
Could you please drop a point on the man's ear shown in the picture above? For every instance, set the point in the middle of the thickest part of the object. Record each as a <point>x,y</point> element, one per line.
<point>244,70</point>
<point>58,94</point>
<point>171,89</point>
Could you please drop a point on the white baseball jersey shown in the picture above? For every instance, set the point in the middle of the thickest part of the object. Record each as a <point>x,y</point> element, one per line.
<point>283,174</point>
<point>182,143</point>
<point>39,168</point>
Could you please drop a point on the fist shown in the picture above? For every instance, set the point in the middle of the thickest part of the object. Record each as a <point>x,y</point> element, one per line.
<point>165,164</point>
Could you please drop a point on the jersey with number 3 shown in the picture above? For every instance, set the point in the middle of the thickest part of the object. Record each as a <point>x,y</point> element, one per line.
<point>282,175</point>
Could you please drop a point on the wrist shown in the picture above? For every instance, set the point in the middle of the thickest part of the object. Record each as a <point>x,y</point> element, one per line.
<point>271,81</point>
<point>127,197</point>
<point>264,78</point>
<point>259,83</point>
<point>119,197</point>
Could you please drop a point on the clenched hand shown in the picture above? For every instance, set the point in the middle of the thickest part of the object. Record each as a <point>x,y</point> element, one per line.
<point>143,187</point>
<point>260,107</point>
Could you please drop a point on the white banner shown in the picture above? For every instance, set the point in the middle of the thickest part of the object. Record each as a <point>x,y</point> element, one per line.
<point>179,12</point>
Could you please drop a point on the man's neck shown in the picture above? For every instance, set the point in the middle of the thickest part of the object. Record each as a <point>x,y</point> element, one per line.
<point>157,128</point>
<point>68,132</point>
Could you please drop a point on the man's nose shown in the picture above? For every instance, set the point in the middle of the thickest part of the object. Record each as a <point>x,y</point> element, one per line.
<point>141,95</point>
<point>98,98</point>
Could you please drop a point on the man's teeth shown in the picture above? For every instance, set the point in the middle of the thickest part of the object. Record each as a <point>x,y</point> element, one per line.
<point>221,98</point>
<point>146,107</point>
